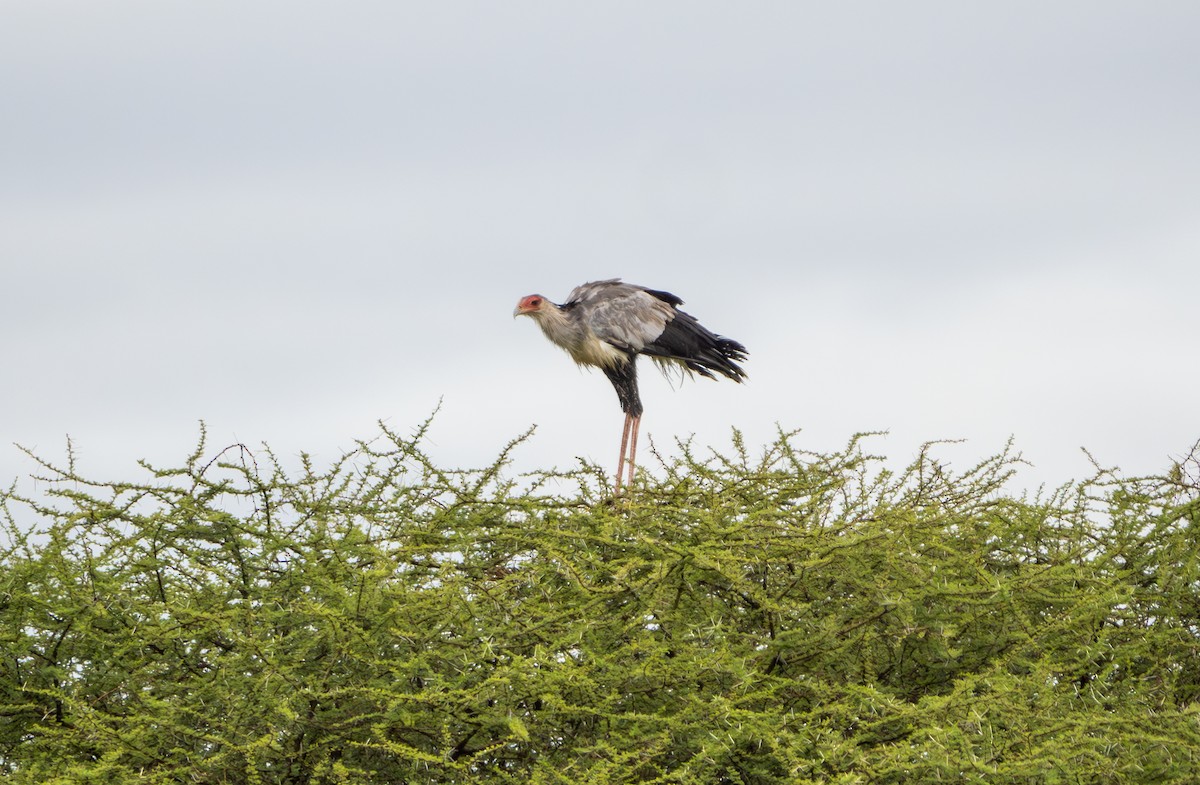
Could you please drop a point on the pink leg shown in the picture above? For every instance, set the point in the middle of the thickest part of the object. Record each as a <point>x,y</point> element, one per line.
<point>637,421</point>
<point>621,460</point>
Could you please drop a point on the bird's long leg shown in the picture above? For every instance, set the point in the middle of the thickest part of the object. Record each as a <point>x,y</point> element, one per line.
<point>621,460</point>
<point>637,421</point>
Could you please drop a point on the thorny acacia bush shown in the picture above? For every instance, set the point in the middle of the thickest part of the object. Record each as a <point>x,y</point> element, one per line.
<point>791,617</point>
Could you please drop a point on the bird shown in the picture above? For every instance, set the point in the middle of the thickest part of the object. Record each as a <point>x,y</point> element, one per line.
<point>608,324</point>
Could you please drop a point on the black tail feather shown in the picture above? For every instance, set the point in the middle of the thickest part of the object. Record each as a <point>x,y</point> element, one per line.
<point>687,341</point>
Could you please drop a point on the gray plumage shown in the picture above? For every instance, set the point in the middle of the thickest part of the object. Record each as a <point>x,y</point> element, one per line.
<point>607,324</point>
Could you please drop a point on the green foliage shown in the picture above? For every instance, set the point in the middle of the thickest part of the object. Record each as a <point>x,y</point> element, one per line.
<point>790,617</point>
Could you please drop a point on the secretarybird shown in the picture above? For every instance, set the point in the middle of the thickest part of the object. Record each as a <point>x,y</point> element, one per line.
<point>607,324</point>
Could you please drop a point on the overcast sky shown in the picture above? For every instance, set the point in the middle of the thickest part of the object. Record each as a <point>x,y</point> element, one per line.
<point>293,219</point>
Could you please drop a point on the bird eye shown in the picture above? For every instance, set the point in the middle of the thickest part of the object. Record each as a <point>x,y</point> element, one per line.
<point>536,301</point>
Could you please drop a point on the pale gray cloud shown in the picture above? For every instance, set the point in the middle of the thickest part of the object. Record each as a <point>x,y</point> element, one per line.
<point>291,220</point>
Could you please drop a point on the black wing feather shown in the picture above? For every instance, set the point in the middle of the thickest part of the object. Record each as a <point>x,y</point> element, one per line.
<point>687,341</point>
<point>666,297</point>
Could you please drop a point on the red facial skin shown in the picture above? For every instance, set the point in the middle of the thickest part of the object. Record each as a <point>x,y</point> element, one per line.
<point>530,303</point>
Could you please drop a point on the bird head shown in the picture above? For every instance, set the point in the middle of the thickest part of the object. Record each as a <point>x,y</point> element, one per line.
<point>531,305</point>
